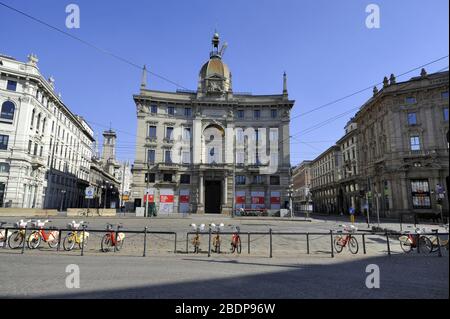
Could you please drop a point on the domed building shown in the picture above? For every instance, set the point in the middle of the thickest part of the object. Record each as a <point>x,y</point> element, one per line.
<point>211,151</point>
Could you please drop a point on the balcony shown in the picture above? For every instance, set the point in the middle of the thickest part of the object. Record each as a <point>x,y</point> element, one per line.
<point>168,166</point>
<point>37,161</point>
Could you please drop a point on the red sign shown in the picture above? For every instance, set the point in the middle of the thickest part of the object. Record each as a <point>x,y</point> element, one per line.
<point>151,198</point>
<point>184,198</point>
<point>275,200</point>
<point>257,200</point>
<point>240,199</point>
<point>166,198</point>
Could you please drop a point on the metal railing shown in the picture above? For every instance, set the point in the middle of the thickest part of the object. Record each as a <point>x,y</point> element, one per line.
<point>307,236</point>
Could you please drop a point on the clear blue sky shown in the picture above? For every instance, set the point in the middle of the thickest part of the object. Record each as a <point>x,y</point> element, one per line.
<point>324,46</point>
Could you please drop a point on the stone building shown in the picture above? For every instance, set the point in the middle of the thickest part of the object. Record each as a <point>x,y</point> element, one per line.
<point>208,150</point>
<point>325,176</point>
<point>403,147</point>
<point>302,197</point>
<point>45,149</point>
<point>349,183</point>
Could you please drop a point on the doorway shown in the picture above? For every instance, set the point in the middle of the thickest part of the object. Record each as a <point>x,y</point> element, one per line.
<point>213,197</point>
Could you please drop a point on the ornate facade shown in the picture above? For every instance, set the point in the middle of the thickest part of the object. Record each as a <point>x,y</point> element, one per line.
<point>209,150</point>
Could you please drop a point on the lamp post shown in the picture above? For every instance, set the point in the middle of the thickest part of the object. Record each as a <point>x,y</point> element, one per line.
<point>63,192</point>
<point>291,193</point>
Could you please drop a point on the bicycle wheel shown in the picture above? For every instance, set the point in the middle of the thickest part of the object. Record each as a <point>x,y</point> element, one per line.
<point>34,240</point>
<point>425,244</point>
<point>15,240</point>
<point>83,241</point>
<point>69,242</point>
<point>106,243</point>
<point>405,244</point>
<point>119,244</point>
<point>53,242</point>
<point>353,245</point>
<point>337,244</point>
<point>238,245</point>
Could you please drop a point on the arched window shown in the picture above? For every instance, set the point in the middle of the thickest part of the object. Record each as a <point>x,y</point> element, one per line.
<point>8,110</point>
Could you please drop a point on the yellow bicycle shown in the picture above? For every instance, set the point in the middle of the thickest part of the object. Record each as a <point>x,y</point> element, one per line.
<point>196,239</point>
<point>15,240</point>
<point>216,240</point>
<point>75,237</point>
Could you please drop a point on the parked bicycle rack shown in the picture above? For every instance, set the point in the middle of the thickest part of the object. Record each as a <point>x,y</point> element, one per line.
<point>269,233</point>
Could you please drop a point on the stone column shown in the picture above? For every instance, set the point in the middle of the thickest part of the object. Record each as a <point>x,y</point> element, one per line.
<point>202,193</point>
<point>225,190</point>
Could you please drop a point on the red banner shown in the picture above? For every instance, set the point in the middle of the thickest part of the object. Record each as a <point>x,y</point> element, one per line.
<point>184,198</point>
<point>257,200</point>
<point>275,200</point>
<point>240,199</point>
<point>151,198</point>
<point>166,198</point>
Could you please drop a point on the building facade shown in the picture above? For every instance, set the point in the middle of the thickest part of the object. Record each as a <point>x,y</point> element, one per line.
<point>45,149</point>
<point>325,176</point>
<point>403,146</point>
<point>302,197</point>
<point>209,150</point>
<point>349,190</point>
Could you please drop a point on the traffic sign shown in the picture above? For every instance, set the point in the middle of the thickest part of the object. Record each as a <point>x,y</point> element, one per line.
<point>89,193</point>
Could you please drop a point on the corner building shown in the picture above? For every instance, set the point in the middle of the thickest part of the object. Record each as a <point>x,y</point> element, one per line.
<point>209,150</point>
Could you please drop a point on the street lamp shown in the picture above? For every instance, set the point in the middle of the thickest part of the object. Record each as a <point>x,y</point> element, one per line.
<point>63,192</point>
<point>291,193</point>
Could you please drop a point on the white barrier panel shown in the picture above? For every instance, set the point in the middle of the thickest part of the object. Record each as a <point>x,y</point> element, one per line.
<point>184,201</point>
<point>166,201</point>
<point>258,200</point>
<point>240,199</point>
<point>275,200</point>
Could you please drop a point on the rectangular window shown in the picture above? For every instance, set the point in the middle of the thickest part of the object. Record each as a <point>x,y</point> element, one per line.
<point>240,180</point>
<point>153,109</point>
<point>168,157</point>
<point>258,179</point>
<point>187,134</point>
<point>186,157</point>
<point>274,180</point>
<point>412,118</point>
<point>167,177</point>
<point>152,131</point>
<point>185,179</point>
<point>415,143</point>
<point>257,114</point>
<point>171,110</point>
<point>410,100</point>
<point>4,142</point>
<point>11,85</point>
<point>444,95</point>
<point>151,179</point>
<point>273,113</point>
<point>151,156</point>
<point>420,192</point>
<point>169,133</point>
<point>188,112</point>
<point>240,114</point>
<point>445,114</point>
